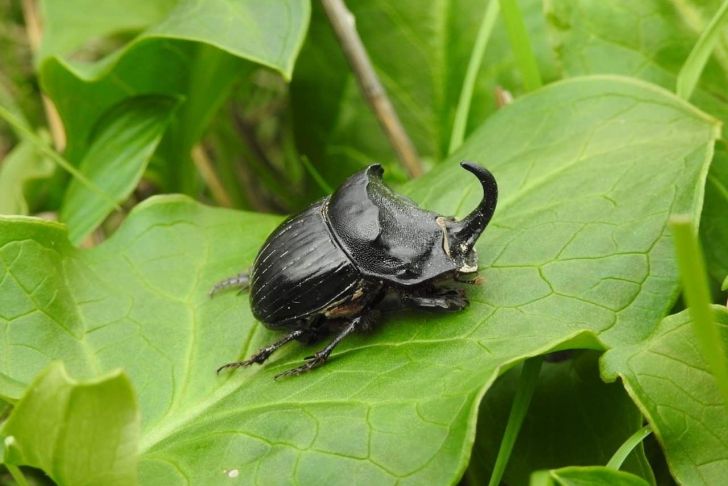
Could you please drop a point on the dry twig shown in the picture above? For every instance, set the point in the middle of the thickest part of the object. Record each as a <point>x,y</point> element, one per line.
<point>343,23</point>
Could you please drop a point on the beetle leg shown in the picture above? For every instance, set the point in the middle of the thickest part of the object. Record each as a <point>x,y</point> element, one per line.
<point>240,280</point>
<point>453,300</point>
<point>470,280</point>
<point>263,353</point>
<point>320,357</point>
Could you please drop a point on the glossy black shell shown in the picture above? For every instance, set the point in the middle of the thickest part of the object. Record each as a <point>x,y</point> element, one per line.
<point>362,235</point>
<point>300,271</point>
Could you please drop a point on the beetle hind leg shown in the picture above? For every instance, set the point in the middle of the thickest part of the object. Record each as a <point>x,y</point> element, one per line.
<point>263,353</point>
<point>322,356</point>
<point>241,281</point>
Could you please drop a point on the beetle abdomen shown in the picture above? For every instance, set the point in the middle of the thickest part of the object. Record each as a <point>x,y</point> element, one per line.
<point>300,271</point>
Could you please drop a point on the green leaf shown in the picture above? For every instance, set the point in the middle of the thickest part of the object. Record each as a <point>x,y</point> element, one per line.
<point>127,137</point>
<point>421,56</point>
<point>400,403</point>
<point>266,33</point>
<point>20,167</point>
<point>695,63</point>
<point>670,382</point>
<point>713,228</point>
<point>650,39</point>
<point>586,476</point>
<point>574,418</point>
<point>77,432</point>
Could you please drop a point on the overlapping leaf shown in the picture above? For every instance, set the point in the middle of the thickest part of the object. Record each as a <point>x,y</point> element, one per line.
<point>267,33</point>
<point>115,161</point>
<point>574,419</point>
<point>650,41</point>
<point>576,256</point>
<point>78,433</point>
<point>670,381</point>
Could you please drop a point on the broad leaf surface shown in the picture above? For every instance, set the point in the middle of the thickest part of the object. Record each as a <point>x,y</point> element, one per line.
<point>649,40</point>
<point>576,256</point>
<point>421,55</point>
<point>268,33</point>
<point>77,432</point>
<point>574,419</point>
<point>127,137</point>
<point>586,476</point>
<point>667,377</point>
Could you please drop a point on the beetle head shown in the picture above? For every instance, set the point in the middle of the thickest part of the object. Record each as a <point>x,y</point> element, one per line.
<point>462,235</point>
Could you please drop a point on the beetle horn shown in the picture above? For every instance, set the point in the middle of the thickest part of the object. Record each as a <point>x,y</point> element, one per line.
<point>468,230</point>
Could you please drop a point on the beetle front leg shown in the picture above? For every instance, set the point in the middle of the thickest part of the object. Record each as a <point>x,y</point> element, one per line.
<point>241,280</point>
<point>452,300</point>
<point>263,353</point>
<point>322,356</point>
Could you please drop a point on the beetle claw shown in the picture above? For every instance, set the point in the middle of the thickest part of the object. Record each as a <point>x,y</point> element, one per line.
<point>311,362</point>
<point>235,365</point>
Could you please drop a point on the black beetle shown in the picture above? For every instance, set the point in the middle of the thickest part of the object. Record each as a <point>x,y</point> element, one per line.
<point>335,264</point>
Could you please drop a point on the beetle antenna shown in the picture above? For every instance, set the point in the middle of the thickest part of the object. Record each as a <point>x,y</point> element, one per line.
<point>468,230</point>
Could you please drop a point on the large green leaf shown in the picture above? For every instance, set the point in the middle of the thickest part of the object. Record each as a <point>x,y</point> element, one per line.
<point>176,36</point>
<point>126,139</point>
<point>421,55</point>
<point>669,380</point>
<point>586,476</point>
<point>574,418</point>
<point>78,433</point>
<point>577,256</point>
<point>649,39</point>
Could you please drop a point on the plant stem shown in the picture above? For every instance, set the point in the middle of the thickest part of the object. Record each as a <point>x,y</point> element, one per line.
<point>27,134</point>
<point>521,44</point>
<point>17,474</point>
<point>697,296</point>
<point>476,57</point>
<point>626,448</point>
<point>524,393</point>
<point>693,67</point>
<point>35,35</point>
<point>343,22</point>
<point>207,171</point>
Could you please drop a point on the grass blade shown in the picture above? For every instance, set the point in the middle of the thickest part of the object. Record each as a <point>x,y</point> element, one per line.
<point>27,134</point>
<point>697,296</point>
<point>691,70</point>
<point>521,44</point>
<point>476,58</point>
<point>626,448</point>
<point>17,475</point>
<point>524,393</point>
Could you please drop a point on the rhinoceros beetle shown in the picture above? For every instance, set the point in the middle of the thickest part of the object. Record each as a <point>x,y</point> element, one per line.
<point>333,266</point>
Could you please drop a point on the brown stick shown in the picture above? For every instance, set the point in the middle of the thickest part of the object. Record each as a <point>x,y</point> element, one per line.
<point>343,21</point>
<point>35,33</point>
<point>206,170</point>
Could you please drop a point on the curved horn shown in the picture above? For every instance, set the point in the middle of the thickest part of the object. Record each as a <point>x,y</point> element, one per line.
<point>468,230</point>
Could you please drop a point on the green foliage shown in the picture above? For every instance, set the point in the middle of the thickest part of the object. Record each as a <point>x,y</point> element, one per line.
<point>139,300</point>
<point>212,100</point>
<point>117,157</point>
<point>574,418</point>
<point>586,476</point>
<point>670,382</point>
<point>78,433</point>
